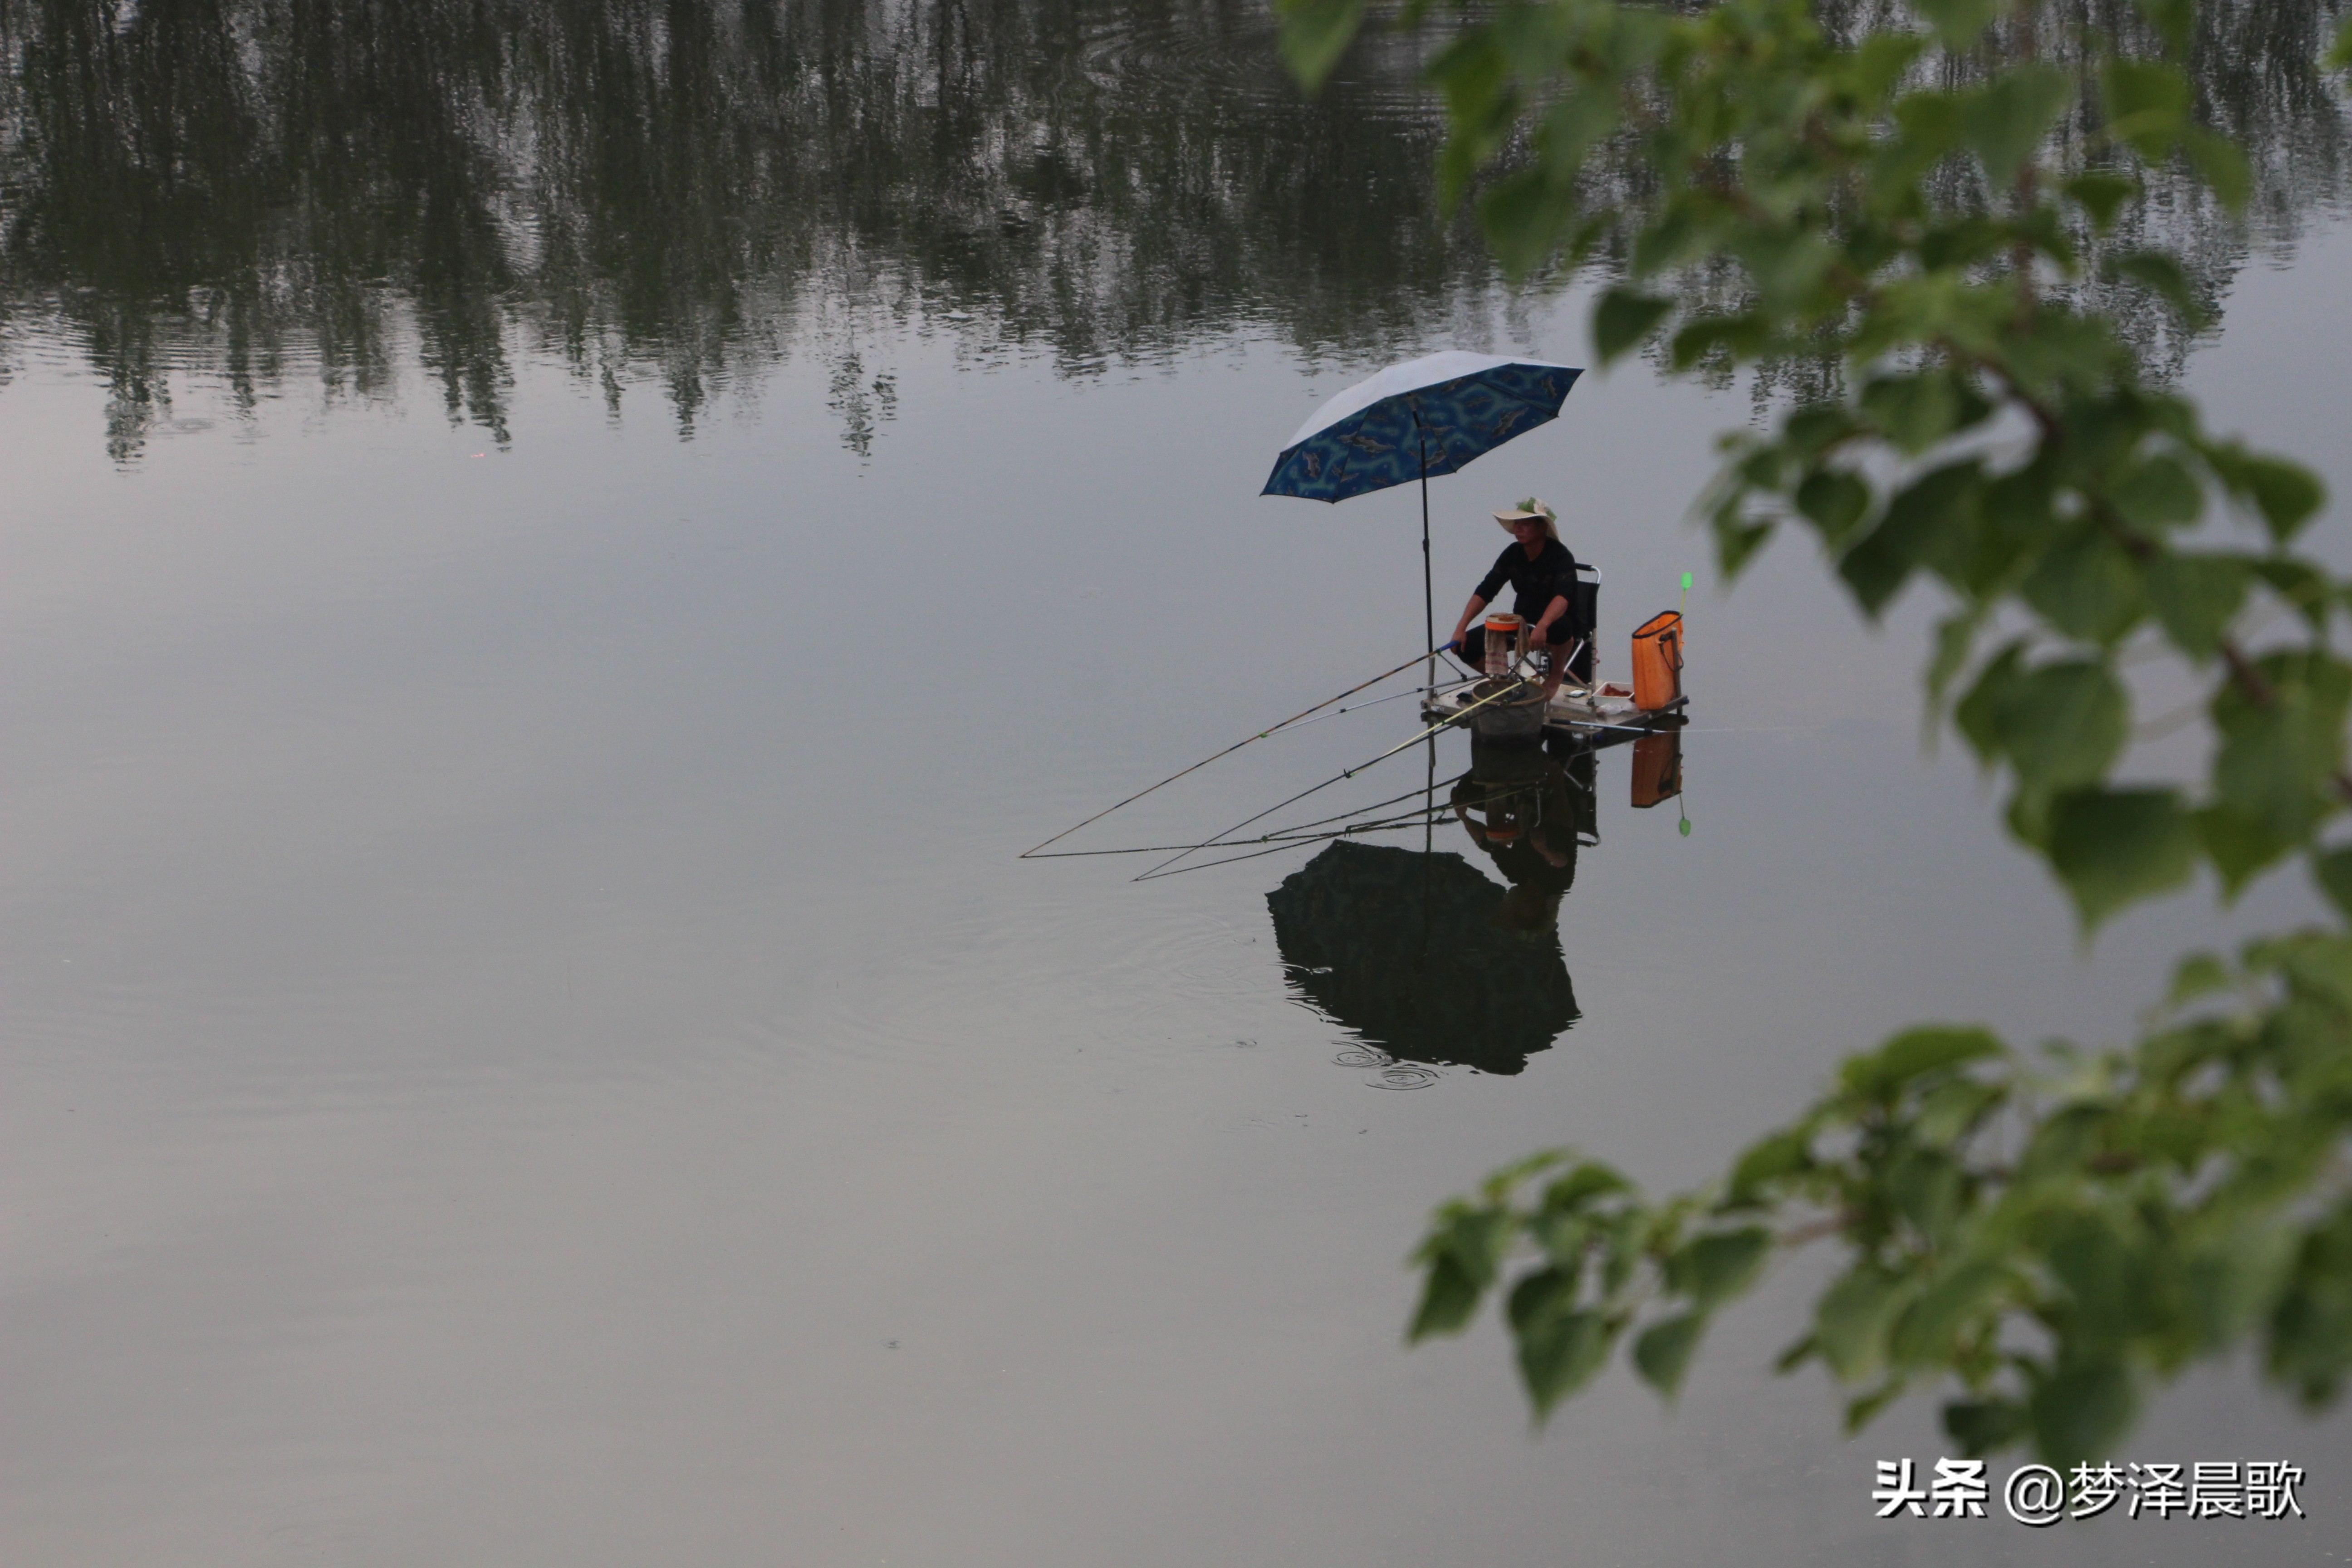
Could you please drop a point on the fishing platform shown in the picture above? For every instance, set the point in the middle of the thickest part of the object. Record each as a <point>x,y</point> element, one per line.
<point>1506,702</point>
<point>1492,708</point>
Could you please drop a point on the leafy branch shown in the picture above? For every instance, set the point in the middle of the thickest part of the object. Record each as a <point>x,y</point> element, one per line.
<point>2048,1244</point>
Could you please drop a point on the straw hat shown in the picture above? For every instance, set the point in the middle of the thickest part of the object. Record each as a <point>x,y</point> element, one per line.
<point>1512,516</point>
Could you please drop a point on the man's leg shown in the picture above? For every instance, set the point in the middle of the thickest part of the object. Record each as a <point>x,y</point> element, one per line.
<point>1554,664</point>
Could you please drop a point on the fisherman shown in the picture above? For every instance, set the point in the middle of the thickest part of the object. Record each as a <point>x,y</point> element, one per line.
<point>1543,573</point>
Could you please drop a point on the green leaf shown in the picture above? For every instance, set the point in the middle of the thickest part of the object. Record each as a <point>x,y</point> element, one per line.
<point>1880,61</point>
<point>1315,33</point>
<point>2061,724</point>
<point>2221,164</point>
<point>1926,1187</point>
<point>1851,1317</point>
<point>2238,846</point>
<point>1712,1268</point>
<point>1939,503</point>
<point>2301,584</point>
<point>1924,1335</point>
<point>2088,588</point>
<point>1523,216</point>
<point>1956,635</point>
<point>2147,105</point>
<point>1982,1427</point>
<point>1784,1154</point>
<point>1917,411</point>
<point>1463,1250</point>
<point>1833,500</point>
<point>1736,337</point>
<point>1787,264</point>
<point>2199,974</point>
<point>2004,122</point>
<point>1559,1355</point>
<point>2082,1411</point>
<point>2287,494</point>
<point>2340,57</point>
<point>1662,1355</point>
<point>1541,1297</point>
<point>2196,597</point>
<point>2113,847</point>
<point>1862,1411</point>
<point>1586,1182</point>
<point>2281,748</point>
<point>2156,493</point>
<point>1622,318</point>
<point>2173,20</point>
<point>2164,277</point>
<point>2102,194</point>
<point>1977,716</point>
<point>2333,871</point>
<point>1882,1074</point>
<point>2233,1280</point>
<point>1448,1298</point>
<point>1735,540</point>
<point>2311,1330</point>
<point>1960,23</point>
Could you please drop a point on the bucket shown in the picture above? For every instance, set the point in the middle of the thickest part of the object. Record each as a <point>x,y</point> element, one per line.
<point>1502,642</point>
<point>1658,662</point>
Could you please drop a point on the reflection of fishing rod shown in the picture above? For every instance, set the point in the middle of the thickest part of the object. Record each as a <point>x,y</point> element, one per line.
<point>1296,830</point>
<point>1236,746</point>
<point>1288,838</point>
<point>1460,712</point>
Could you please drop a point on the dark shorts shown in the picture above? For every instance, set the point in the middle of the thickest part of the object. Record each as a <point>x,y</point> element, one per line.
<point>1557,635</point>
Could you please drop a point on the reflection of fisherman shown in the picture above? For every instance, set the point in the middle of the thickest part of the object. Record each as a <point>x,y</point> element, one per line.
<point>1528,824</point>
<point>1540,570</point>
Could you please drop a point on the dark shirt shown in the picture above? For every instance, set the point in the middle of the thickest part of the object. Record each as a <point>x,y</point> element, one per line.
<point>1550,575</point>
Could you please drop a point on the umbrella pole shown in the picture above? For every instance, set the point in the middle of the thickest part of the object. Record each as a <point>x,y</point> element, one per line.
<point>1428,594</point>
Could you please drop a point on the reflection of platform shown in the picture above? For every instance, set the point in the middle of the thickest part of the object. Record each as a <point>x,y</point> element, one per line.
<point>1404,949</point>
<point>1570,712</point>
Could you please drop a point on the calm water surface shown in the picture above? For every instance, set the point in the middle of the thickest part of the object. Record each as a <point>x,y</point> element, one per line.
<point>550,572</point>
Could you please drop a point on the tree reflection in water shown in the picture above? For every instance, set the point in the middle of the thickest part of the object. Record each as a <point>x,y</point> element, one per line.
<point>260,190</point>
<point>682,193</point>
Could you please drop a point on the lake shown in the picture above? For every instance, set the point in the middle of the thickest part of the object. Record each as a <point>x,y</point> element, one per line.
<point>555,558</point>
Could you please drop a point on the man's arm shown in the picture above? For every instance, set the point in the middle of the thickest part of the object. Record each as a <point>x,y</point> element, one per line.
<point>1552,612</point>
<point>1469,613</point>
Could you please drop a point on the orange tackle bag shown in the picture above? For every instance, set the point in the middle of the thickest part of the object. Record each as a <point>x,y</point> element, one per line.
<point>1658,662</point>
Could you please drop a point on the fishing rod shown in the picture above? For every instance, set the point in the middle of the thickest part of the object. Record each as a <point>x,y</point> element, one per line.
<point>1296,830</point>
<point>1462,712</point>
<point>1236,746</point>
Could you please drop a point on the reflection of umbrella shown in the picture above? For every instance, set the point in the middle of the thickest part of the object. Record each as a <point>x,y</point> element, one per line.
<point>1403,949</point>
<point>1428,416</point>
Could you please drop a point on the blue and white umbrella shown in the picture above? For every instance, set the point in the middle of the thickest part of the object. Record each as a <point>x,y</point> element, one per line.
<point>1428,416</point>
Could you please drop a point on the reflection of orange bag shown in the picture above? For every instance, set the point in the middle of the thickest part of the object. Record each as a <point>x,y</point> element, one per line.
<point>1658,662</point>
<point>1657,768</point>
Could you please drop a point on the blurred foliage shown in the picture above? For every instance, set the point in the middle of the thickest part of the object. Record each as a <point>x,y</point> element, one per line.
<point>1926,205</point>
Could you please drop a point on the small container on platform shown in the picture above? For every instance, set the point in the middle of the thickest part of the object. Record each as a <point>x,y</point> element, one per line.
<point>1506,634</point>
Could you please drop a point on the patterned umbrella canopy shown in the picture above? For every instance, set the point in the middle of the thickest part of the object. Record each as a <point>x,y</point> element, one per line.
<point>1426,416</point>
